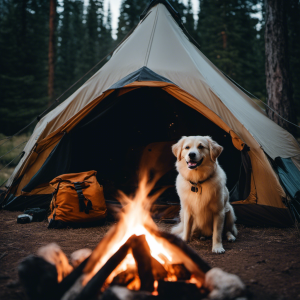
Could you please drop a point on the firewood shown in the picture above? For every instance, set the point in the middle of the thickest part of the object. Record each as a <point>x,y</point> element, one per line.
<point>170,290</point>
<point>142,256</point>
<point>122,293</point>
<point>125,277</point>
<point>159,272</point>
<point>54,255</point>
<point>38,277</point>
<point>190,256</point>
<point>179,270</point>
<point>94,285</point>
<point>70,280</point>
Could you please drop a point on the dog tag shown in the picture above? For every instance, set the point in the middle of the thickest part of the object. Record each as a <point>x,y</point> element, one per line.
<point>194,189</point>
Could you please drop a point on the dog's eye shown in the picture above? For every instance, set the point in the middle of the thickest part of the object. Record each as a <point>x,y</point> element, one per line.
<point>200,147</point>
<point>187,147</point>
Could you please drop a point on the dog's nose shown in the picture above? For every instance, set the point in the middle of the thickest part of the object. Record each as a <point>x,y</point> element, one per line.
<point>192,155</point>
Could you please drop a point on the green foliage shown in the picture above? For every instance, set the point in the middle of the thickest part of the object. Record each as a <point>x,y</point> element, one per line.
<point>23,62</point>
<point>18,143</point>
<point>228,37</point>
<point>130,11</point>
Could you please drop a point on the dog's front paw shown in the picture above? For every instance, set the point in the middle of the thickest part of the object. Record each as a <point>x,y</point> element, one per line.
<point>218,248</point>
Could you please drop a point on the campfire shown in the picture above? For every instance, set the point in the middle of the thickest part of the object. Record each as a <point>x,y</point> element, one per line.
<point>135,260</point>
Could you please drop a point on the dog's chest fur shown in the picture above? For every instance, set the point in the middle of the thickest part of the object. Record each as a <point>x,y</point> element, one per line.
<point>203,204</point>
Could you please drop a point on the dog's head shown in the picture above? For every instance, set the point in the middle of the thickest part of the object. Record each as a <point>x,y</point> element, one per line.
<point>196,151</point>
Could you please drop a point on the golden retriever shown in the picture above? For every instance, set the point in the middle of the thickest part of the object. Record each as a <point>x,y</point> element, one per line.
<point>204,197</point>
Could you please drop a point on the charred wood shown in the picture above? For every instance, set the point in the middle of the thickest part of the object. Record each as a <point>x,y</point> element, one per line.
<point>142,256</point>
<point>68,281</point>
<point>54,255</point>
<point>125,277</point>
<point>38,277</point>
<point>159,272</point>
<point>182,246</point>
<point>170,290</point>
<point>122,293</point>
<point>94,285</point>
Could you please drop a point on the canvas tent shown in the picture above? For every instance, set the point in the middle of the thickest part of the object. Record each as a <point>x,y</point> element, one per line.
<point>156,87</point>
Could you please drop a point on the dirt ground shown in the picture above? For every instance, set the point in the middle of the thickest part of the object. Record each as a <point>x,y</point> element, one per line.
<point>266,259</point>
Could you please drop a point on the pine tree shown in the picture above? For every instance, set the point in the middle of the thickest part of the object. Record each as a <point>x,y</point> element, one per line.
<point>107,42</point>
<point>130,11</point>
<point>279,92</point>
<point>23,62</point>
<point>227,35</point>
<point>189,19</point>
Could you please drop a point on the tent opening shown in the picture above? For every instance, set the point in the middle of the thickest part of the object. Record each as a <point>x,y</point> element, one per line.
<point>139,125</point>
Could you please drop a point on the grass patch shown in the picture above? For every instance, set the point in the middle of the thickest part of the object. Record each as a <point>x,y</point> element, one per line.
<point>17,142</point>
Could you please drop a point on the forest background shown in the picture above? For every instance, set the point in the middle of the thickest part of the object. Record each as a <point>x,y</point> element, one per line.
<point>228,32</point>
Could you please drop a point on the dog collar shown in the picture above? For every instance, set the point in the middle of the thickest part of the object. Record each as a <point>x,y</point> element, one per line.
<point>194,187</point>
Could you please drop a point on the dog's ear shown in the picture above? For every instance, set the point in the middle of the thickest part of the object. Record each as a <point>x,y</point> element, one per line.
<point>214,148</point>
<point>177,148</point>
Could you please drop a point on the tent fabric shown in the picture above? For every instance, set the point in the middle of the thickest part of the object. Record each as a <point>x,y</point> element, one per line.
<point>289,175</point>
<point>165,49</point>
<point>158,54</point>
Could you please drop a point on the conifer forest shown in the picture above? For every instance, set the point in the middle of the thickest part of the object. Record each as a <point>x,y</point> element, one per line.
<point>231,33</point>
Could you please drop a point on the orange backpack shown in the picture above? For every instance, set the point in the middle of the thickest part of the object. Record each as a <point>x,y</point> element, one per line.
<point>78,198</point>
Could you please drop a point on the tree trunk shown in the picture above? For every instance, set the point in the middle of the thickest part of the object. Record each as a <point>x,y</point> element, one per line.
<point>51,50</point>
<point>278,83</point>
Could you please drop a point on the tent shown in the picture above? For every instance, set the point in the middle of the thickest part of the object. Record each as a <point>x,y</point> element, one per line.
<point>156,87</point>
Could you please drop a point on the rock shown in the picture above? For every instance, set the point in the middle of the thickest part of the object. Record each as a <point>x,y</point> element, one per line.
<point>223,285</point>
<point>79,256</point>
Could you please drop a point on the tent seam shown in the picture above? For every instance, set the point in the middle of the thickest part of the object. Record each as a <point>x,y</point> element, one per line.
<point>151,39</point>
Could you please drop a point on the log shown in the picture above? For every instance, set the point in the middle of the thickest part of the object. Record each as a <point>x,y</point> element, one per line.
<point>170,290</point>
<point>68,281</point>
<point>94,285</point>
<point>54,255</point>
<point>182,247</point>
<point>38,277</point>
<point>125,277</point>
<point>159,272</point>
<point>142,256</point>
<point>122,293</point>
<point>180,271</point>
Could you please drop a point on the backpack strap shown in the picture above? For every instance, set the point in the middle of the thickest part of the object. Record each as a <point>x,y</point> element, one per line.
<point>81,198</point>
<point>54,195</point>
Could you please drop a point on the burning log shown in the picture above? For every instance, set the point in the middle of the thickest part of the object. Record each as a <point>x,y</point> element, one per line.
<point>94,285</point>
<point>180,271</point>
<point>159,272</point>
<point>126,277</point>
<point>142,256</point>
<point>68,281</point>
<point>54,255</point>
<point>181,247</point>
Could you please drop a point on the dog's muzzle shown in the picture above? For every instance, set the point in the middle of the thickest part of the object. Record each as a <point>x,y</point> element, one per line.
<point>194,164</point>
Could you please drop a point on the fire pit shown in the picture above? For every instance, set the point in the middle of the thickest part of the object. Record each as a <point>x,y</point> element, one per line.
<point>135,260</point>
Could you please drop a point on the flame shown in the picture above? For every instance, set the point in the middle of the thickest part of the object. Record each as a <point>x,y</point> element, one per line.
<point>134,219</point>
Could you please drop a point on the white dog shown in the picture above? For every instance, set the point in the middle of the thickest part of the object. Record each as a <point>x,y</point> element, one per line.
<point>201,186</point>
